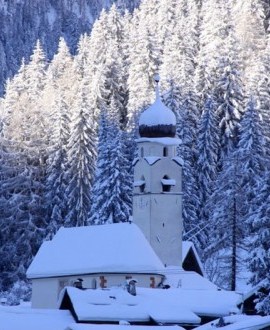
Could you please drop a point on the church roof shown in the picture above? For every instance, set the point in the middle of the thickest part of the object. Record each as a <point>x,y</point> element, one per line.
<point>114,248</point>
<point>157,120</point>
<point>191,259</point>
<point>163,306</point>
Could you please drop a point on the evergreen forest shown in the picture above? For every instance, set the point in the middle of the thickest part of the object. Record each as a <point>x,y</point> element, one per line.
<point>68,124</point>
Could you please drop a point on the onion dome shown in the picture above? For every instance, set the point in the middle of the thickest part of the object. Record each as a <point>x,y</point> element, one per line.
<point>157,120</point>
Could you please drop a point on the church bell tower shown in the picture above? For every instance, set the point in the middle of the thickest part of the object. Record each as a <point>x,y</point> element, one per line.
<point>157,195</point>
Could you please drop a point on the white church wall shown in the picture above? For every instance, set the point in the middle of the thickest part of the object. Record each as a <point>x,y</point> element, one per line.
<point>157,208</point>
<point>164,231</point>
<point>45,292</point>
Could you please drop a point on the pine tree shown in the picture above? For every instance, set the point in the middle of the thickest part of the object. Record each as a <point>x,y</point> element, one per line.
<point>186,131</point>
<point>208,149</point>
<point>57,165</point>
<point>261,88</point>
<point>143,65</point>
<point>251,149</point>
<point>112,189</point>
<point>81,152</point>
<point>229,98</point>
<point>258,260</point>
<point>250,31</point>
<point>227,226</point>
<point>234,197</point>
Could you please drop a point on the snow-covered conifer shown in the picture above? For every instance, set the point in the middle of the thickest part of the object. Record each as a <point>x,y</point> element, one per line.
<point>81,152</point>
<point>208,149</point>
<point>57,164</point>
<point>143,64</point>
<point>229,96</point>
<point>259,261</point>
<point>112,187</point>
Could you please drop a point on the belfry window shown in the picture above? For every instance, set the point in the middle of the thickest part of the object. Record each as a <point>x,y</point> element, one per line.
<point>140,184</point>
<point>165,152</point>
<point>167,183</point>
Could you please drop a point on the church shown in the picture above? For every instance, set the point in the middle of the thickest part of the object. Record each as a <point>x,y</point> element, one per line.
<point>87,269</point>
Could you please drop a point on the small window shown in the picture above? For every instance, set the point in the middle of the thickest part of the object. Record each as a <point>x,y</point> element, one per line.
<point>140,183</point>
<point>142,152</point>
<point>165,152</point>
<point>142,186</point>
<point>167,183</point>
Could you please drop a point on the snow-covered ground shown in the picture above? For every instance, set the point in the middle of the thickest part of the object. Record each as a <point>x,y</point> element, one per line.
<point>25,318</point>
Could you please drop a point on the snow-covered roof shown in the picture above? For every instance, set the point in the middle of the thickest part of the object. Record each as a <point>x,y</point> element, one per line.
<point>165,306</point>
<point>157,114</point>
<point>239,322</point>
<point>157,120</point>
<point>77,326</point>
<point>115,304</point>
<point>176,277</point>
<point>114,248</point>
<point>186,247</point>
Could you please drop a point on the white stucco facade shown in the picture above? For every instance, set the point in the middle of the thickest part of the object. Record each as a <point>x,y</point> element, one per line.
<point>46,291</point>
<point>157,197</point>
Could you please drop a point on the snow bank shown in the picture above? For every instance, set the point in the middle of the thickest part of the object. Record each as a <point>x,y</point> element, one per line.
<point>21,318</point>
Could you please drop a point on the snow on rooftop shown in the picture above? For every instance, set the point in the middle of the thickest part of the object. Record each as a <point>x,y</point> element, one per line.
<point>120,327</point>
<point>178,278</point>
<point>239,322</point>
<point>186,247</point>
<point>115,304</point>
<point>95,249</point>
<point>212,303</point>
<point>157,114</point>
<point>166,306</point>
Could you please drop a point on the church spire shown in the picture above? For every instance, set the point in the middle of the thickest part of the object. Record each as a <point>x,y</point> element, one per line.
<point>157,120</point>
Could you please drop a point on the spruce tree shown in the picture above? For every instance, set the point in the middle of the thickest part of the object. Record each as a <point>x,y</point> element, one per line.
<point>113,182</point>
<point>81,152</point>
<point>258,260</point>
<point>208,149</point>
